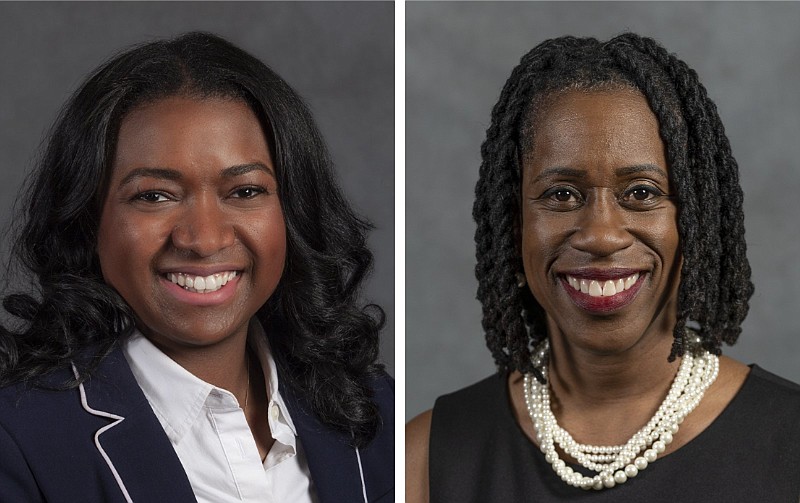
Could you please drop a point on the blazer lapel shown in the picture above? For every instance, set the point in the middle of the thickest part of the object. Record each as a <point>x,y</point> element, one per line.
<point>133,444</point>
<point>331,459</point>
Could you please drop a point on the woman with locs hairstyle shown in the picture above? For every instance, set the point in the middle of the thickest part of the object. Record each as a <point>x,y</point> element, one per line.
<point>612,267</point>
<point>193,329</point>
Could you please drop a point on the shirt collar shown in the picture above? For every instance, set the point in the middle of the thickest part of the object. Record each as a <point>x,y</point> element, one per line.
<point>260,344</point>
<point>178,405</point>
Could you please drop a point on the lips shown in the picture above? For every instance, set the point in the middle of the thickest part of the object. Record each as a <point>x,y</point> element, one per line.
<point>602,292</point>
<point>602,288</point>
<point>201,284</point>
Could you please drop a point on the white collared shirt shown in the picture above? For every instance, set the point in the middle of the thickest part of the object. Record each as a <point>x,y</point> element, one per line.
<point>210,433</point>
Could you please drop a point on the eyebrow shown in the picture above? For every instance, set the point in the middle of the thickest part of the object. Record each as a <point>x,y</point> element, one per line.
<point>640,168</point>
<point>560,171</point>
<point>580,173</point>
<point>172,174</point>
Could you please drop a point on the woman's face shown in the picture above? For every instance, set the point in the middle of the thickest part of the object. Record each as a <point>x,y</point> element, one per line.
<point>192,234</point>
<point>599,232</point>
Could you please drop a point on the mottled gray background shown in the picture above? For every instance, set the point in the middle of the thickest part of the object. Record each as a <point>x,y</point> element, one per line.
<point>458,56</point>
<point>338,56</point>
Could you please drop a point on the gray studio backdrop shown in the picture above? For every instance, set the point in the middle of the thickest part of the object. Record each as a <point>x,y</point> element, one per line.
<point>458,56</point>
<point>339,56</point>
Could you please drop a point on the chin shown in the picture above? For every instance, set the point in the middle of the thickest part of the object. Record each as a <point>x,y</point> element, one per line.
<point>191,335</point>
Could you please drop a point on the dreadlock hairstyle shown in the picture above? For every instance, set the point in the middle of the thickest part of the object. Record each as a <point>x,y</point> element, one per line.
<point>715,277</point>
<point>323,340</point>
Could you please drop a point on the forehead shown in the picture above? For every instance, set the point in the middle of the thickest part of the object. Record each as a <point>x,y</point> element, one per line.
<point>592,129</point>
<point>184,132</point>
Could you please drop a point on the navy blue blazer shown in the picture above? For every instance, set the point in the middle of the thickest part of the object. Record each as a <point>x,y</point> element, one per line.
<point>102,442</point>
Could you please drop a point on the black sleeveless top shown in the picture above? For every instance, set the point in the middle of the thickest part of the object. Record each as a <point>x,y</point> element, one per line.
<point>750,453</point>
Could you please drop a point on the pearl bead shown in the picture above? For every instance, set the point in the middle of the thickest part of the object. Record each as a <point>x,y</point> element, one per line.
<point>616,464</point>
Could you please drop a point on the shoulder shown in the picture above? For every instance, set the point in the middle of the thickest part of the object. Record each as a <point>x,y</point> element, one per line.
<point>382,387</point>
<point>23,401</point>
<point>468,413</point>
<point>771,394</point>
<point>56,414</point>
<point>417,435</point>
<point>41,428</point>
<point>487,392</point>
<point>765,412</point>
<point>451,419</point>
<point>774,382</point>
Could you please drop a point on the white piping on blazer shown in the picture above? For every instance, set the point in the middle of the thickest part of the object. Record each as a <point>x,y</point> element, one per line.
<point>102,430</point>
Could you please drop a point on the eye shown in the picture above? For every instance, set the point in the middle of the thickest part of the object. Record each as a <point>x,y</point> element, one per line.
<point>249,192</point>
<point>562,198</point>
<point>151,196</point>
<point>642,196</point>
<point>563,195</point>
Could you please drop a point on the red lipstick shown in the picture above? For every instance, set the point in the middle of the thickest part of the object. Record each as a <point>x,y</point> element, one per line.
<point>603,305</point>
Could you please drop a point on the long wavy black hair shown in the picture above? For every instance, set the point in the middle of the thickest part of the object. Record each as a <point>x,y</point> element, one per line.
<point>715,282</point>
<point>324,341</point>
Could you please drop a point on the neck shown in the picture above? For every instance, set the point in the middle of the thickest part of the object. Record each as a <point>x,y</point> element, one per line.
<point>596,379</point>
<point>605,398</point>
<point>222,364</point>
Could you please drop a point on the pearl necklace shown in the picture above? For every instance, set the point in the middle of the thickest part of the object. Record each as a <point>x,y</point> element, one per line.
<point>616,464</point>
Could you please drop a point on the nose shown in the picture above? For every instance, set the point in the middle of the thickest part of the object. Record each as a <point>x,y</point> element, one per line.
<point>203,228</point>
<point>602,227</point>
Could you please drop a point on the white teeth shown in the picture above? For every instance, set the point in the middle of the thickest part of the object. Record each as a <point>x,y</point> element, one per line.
<point>599,288</point>
<point>574,283</point>
<point>201,284</point>
<point>211,282</point>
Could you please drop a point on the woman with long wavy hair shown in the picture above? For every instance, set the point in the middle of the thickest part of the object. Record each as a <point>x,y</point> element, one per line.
<point>194,328</point>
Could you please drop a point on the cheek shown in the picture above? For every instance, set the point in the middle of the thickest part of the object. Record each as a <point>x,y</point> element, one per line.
<point>541,241</point>
<point>540,245</point>
<point>267,236</point>
<point>671,252</point>
<point>125,247</point>
<point>660,234</point>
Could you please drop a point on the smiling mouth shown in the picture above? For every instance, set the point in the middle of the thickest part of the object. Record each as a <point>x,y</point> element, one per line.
<point>601,294</point>
<point>201,284</point>
<point>602,288</point>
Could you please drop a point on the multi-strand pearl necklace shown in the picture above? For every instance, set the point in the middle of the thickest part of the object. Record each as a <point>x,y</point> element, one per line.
<point>616,464</point>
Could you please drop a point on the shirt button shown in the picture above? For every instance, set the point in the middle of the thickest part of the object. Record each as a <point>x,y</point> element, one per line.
<point>274,411</point>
